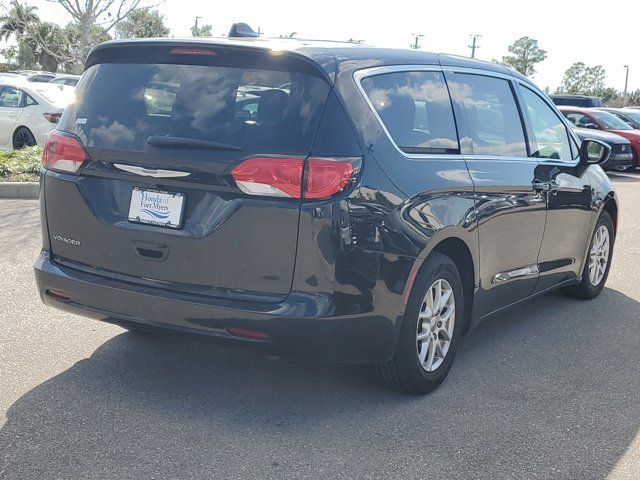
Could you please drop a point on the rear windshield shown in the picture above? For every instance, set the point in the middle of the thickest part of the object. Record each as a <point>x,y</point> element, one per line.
<point>610,121</point>
<point>56,94</point>
<point>120,106</point>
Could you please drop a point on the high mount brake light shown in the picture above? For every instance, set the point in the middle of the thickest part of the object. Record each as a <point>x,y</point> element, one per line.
<point>282,176</point>
<point>63,152</point>
<point>193,51</point>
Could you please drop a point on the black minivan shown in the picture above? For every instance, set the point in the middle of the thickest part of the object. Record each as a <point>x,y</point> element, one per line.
<point>334,201</point>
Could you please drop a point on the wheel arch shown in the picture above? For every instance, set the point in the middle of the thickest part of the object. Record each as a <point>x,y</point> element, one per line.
<point>611,207</point>
<point>462,255</point>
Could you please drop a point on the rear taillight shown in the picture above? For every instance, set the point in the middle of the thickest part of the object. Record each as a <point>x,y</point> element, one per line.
<point>63,152</point>
<point>327,176</point>
<point>282,176</point>
<point>270,176</point>
<point>52,117</point>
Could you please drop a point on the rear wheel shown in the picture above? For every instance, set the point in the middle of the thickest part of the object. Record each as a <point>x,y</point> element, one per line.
<point>596,268</point>
<point>430,330</point>
<point>23,138</point>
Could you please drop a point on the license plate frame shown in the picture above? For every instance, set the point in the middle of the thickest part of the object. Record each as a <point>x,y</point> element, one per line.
<point>159,208</point>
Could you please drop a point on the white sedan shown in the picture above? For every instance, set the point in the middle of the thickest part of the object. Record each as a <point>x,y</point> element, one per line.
<point>29,111</point>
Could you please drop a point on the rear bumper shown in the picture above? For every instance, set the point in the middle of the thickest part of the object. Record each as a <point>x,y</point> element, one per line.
<point>353,338</point>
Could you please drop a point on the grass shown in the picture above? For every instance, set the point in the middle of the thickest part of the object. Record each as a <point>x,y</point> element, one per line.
<point>20,165</point>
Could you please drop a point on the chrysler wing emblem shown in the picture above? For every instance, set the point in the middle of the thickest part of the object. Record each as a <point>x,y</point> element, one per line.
<point>151,172</point>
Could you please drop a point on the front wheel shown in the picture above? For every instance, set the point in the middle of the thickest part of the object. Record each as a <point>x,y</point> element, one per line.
<point>430,330</point>
<point>598,262</point>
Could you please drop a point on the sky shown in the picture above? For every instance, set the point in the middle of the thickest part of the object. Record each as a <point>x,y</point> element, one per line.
<point>570,31</point>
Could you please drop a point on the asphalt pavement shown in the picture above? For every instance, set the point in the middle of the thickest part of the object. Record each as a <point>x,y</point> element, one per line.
<point>548,390</point>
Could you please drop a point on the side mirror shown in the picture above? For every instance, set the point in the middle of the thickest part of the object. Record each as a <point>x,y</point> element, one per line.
<point>594,151</point>
<point>590,125</point>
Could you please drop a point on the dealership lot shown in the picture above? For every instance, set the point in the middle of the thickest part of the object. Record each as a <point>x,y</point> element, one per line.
<point>549,390</point>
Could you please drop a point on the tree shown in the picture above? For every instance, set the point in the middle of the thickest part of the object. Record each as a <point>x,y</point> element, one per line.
<point>142,23</point>
<point>89,14</point>
<point>580,79</point>
<point>77,56</point>
<point>16,22</point>
<point>40,44</point>
<point>525,54</point>
<point>49,44</point>
<point>203,31</point>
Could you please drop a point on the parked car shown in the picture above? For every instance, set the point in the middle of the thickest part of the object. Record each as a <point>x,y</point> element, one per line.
<point>360,214</point>
<point>629,115</point>
<point>598,119</point>
<point>29,111</point>
<point>70,80</point>
<point>621,157</point>
<point>36,75</point>
<point>583,101</point>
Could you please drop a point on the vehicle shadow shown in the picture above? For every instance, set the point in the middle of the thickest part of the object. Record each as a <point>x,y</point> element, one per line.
<point>545,391</point>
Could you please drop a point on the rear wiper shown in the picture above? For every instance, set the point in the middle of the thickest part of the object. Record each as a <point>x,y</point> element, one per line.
<point>165,141</point>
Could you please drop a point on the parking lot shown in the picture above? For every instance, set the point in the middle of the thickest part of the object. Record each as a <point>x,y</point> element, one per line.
<point>549,390</point>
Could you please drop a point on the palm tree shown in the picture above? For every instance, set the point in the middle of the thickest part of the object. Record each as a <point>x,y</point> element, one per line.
<point>17,20</point>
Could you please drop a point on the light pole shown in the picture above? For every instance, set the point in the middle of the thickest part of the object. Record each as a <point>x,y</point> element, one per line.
<point>416,41</point>
<point>197,32</point>
<point>626,83</point>
<point>474,44</point>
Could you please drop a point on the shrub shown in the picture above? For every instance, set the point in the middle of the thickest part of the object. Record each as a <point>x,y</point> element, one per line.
<point>20,165</point>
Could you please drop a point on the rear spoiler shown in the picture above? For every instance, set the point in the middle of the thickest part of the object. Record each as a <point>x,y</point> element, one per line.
<point>241,53</point>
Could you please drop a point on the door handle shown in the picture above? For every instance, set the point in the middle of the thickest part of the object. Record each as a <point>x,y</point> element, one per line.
<point>541,186</point>
<point>13,114</point>
<point>550,186</point>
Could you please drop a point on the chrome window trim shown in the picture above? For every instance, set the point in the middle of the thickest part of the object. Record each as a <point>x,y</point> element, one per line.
<point>360,75</point>
<point>477,71</point>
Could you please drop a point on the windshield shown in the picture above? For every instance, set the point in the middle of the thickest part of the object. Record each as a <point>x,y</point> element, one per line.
<point>633,115</point>
<point>610,121</point>
<point>122,106</point>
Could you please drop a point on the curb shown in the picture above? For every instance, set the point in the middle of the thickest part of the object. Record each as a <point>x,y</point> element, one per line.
<point>21,190</point>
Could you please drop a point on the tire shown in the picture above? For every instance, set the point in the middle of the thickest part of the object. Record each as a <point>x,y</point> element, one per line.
<point>630,168</point>
<point>587,289</point>
<point>405,372</point>
<point>23,137</point>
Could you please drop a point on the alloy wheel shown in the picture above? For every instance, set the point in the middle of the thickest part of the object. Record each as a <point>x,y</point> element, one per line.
<point>599,255</point>
<point>436,322</point>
